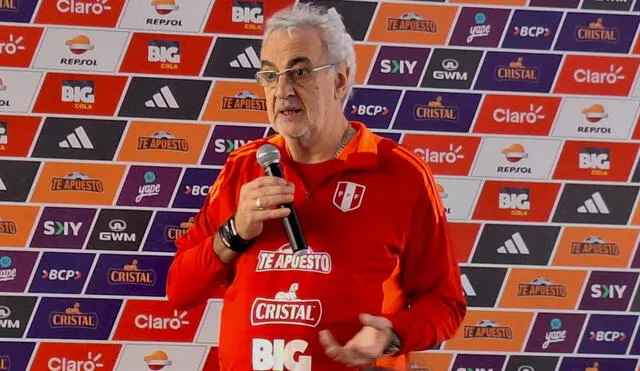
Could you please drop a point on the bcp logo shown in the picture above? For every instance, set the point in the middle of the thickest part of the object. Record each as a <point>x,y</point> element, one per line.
<point>597,76</point>
<point>61,275</point>
<point>369,110</point>
<point>607,336</point>
<point>532,31</point>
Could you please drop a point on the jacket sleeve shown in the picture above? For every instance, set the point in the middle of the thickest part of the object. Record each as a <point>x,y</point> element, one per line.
<point>429,278</point>
<point>196,273</point>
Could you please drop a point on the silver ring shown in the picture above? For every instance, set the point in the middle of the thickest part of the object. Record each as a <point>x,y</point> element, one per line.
<point>258,204</point>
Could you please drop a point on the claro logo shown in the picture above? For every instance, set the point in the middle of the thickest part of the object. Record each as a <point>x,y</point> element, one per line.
<point>508,116</point>
<point>149,321</point>
<point>96,7</point>
<point>588,76</point>
<point>92,363</point>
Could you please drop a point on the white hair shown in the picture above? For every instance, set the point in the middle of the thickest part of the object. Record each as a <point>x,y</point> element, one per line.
<point>333,33</point>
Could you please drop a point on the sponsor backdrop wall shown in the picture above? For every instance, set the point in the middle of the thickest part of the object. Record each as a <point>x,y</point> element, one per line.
<point>116,116</point>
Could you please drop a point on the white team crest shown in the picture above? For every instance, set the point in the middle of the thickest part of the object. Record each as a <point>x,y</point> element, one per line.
<point>348,196</point>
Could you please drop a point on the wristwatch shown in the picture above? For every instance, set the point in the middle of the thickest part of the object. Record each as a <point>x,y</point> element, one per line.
<point>394,345</point>
<point>230,238</point>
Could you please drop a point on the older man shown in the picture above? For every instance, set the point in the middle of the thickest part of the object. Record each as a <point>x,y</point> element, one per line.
<point>380,277</point>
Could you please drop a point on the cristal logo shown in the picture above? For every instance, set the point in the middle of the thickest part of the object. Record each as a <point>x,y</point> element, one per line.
<point>286,308</point>
<point>441,157</point>
<point>506,115</point>
<point>96,7</point>
<point>66,364</point>
<point>588,76</point>
<point>149,321</point>
<point>12,46</point>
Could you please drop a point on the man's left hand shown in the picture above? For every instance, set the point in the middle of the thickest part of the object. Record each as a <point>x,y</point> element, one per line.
<point>365,347</point>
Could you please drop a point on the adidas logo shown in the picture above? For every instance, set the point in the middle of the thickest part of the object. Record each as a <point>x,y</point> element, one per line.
<point>466,286</point>
<point>77,139</point>
<point>2,186</point>
<point>515,245</point>
<point>594,205</point>
<point>162,99</point>
<point>248,59</point>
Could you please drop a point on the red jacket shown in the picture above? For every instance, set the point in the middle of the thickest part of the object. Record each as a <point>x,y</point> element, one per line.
<point>379,244</point>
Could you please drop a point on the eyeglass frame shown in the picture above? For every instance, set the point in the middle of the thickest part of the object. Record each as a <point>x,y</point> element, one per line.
<point>285,71</point>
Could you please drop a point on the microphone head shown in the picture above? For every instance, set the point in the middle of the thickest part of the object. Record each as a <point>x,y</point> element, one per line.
<point>267,154</point>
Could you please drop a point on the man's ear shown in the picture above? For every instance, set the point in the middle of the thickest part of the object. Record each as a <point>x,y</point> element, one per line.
<point>341,82</point>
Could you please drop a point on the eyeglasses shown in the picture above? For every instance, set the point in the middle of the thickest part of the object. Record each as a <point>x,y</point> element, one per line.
<point>299,76</point>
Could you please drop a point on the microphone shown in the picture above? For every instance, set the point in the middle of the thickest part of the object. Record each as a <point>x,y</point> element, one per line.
<point>268,157</point>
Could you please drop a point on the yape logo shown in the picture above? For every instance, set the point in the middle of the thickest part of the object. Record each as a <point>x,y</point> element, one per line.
<point>84,50</point>
<point>596,161</point>
<point>555,332</point>
<point>415,24</point>
<point>242,16</point>
<point>94,13</point>
<point>77,357</point>
<point>154,320</point>
<point>488,331</point>
<point>445,154</point>
<point>79,94</point>
<point>594,32</point>
<point>15,269</point>
<point>163,142</point>
<point>517,114</point>
<point>166,54</point>
<point>479,27</point>
<point>597,76</point>
<point>18,45</point>
<point>149,186</point>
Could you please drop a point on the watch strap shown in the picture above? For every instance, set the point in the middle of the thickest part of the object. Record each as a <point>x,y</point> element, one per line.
<point>230,238</point>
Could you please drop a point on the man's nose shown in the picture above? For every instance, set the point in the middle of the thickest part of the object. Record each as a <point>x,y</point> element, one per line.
<point>284,87</point>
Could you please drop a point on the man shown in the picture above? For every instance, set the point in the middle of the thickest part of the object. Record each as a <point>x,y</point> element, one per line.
<point>380,277</point>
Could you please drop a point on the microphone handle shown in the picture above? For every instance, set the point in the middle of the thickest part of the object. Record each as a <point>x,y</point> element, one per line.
<point>291,222</point>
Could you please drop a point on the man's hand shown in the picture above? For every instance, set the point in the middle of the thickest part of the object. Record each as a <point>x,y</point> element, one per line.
<point>365,347</point>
